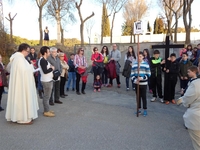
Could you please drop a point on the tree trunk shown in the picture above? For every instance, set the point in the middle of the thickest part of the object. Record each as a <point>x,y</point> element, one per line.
<point>175,29</point>
<point>131,38</point>
<point>62,34</point>
<point>102,33</point>
<point>111,31</point>
<point>40,25</point>
<point>11,32</point>
<point>186,10</point>
<point>187,31</point>
<point>58,32</point>
<point>169,31</point>
<point>58,27</point>
<point>81,33</point>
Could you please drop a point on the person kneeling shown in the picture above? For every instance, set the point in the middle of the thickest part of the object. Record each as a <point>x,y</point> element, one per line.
<point>97,84</point>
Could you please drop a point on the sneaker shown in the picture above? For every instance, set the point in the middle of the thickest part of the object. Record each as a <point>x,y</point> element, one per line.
<point>127,89</point>
<point>139,112</point>
<point>167,102</point>
<point>161,100</point>
<point>118,86</point>
<point>83,92</point>
<point>67,89</point>
<point>95,90</point>
<point>145,113</point>
<point>49,114</point>
<point>73,89</point>
<point>133,89</point>
<point>99,90</point>
<point>51,111</point>
<point>173,101</point>
<point>153,99</point>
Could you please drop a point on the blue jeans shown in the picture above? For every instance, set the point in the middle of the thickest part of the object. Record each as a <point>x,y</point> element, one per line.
<point>127,83</point>
<point>39,84</point>
<point>105,76</point>
<point>71,77</point>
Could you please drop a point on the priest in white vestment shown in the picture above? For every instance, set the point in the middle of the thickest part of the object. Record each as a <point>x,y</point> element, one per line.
<point>22,103</point>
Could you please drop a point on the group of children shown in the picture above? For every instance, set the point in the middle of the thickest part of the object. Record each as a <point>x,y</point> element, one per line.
<point>150,73</point>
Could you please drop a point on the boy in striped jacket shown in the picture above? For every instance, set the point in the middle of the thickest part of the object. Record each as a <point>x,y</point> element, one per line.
<point>142,80</point>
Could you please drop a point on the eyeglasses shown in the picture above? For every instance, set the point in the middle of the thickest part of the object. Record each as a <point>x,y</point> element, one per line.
<point>82,50</point>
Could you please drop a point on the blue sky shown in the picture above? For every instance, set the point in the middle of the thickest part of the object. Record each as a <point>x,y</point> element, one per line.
<point>25,24</point>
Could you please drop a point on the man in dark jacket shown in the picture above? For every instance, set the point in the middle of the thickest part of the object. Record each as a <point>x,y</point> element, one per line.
<point>156,64</point>
<point>172,70</point>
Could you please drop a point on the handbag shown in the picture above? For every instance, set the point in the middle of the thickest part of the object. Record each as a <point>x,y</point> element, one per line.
<point>99,64</point>
<point>56,74</point>
<point>66,75</point>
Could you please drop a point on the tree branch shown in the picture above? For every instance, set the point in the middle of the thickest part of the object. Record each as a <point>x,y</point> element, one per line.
<point>89,17</point>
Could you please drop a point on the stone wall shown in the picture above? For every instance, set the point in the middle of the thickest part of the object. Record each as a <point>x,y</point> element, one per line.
<point>124,48</point>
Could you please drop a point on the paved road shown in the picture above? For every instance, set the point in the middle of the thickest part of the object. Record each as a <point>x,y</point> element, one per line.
<point>99,121</point>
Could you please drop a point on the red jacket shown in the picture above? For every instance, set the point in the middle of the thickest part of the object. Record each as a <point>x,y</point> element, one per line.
<point>111,68</point>
<point>83,74</point>
<point>98,57</point>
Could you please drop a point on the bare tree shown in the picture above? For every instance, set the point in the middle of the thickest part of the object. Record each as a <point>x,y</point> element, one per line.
<point>60,10</point>
<point>116,7</point>
<point>10,19</point>
<point>133,11</point>
<point>78,6</point>
<point>187,18</point>
<point>40,4</point>
<point>168,13</point>
<point>176,7</point>
<point>89,25</point>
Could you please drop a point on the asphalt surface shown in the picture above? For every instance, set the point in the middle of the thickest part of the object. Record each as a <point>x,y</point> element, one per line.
<point>99,121</point>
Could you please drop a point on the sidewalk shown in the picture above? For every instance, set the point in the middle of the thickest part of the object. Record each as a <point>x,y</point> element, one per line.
<point>99,121</point>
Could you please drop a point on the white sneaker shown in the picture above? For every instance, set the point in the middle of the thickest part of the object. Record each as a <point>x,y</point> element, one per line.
<point>153,99</point>
<point>127,89</point>
<point>161,100</point>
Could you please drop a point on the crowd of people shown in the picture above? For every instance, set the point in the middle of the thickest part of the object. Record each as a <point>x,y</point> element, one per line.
<point>52,73</point>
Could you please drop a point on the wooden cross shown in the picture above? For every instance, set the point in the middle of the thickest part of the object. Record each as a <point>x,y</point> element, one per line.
<point>167,46</point>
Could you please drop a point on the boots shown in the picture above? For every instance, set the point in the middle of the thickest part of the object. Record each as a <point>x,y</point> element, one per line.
<point>40,94</point>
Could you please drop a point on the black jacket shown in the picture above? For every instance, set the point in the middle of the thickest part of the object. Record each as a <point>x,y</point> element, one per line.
<point>173,69</point>
<point>127,69</point>
<point>155,66</point>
